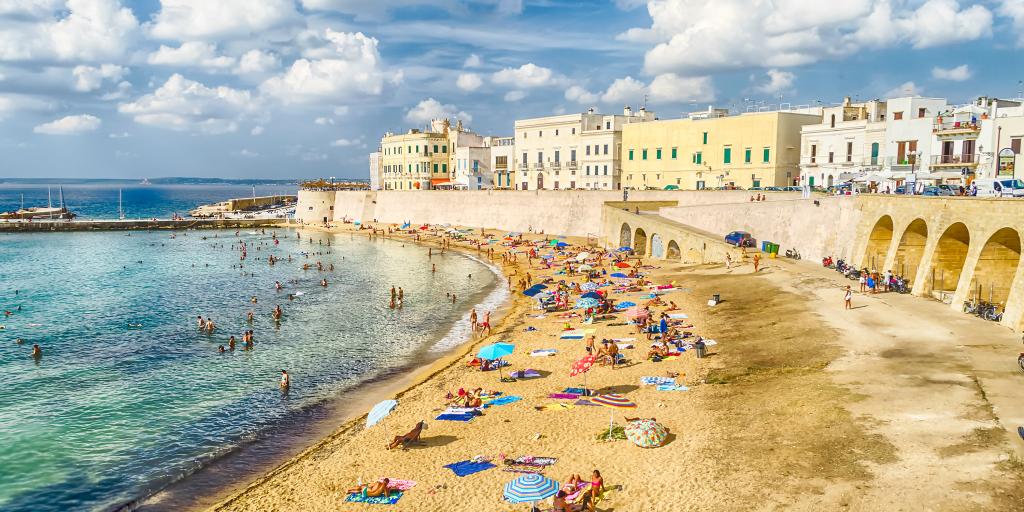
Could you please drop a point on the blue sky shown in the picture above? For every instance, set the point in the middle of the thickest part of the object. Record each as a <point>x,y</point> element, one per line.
<point>305,88</point>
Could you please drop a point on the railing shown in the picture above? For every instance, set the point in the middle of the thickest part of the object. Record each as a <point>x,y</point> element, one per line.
<point>524,166</point>
<point>555,165</point>
<point>952,126</point>
<point>968,159</point>
<point>538,166</point>
<point>843,162</point>
<point>573,164</point>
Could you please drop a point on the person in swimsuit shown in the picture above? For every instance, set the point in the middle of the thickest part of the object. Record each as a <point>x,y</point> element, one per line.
<point>596,489</point>
<point>486,324</point>
<point>36,351</point>
<point>285,379</point>
<point>372,490</point>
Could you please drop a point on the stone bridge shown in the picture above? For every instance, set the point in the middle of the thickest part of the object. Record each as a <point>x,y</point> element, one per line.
<point>638,225</point>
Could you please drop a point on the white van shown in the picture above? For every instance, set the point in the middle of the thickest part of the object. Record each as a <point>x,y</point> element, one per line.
<point>1003,187</point>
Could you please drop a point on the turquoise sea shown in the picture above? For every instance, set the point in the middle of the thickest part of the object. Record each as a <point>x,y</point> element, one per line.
<point>129,396</point>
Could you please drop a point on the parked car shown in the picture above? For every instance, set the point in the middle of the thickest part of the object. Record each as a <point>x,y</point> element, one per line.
<point>792,189</point>
<point>774,189</point>
<point>937,191</point>
<point>1006,187</point>
<point>740,239</point>
<point>952,189</point>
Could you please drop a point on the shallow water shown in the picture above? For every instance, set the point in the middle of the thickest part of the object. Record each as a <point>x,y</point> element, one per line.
<point>112,412</point>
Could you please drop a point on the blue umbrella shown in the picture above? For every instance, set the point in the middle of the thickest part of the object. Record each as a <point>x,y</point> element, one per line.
<point>539,286</point>
<point>530,488</point>
<point>591,295</point>
<point>586,302</point>
<point>496,351</point>
<point>531,292</point>
<point>625,249</point>
<point>620,275</point>
<point>561,244</point>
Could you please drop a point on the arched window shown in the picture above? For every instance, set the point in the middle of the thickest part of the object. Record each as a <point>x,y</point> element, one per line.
<point>833,120</point>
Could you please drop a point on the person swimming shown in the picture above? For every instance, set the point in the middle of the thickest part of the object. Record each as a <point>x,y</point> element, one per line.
<point>36,351</point>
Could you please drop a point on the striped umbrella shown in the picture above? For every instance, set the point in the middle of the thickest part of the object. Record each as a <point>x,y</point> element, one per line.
<point>614,401</point>
<point>646,433</point>
<point>588,286</point>
<point>530,487</point>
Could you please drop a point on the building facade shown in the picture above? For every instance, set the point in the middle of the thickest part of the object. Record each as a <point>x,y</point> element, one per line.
<point>848,142</point>
<point>375,171</point>
<point>415,160</point>
<point>575,151</point>
<point>502,156</point>
<point>708,150</point>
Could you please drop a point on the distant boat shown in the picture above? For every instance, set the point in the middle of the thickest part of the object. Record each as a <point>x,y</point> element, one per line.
<point>145,181</point>
<point>40,212</point>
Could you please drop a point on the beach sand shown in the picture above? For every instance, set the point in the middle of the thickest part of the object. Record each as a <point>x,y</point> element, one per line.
<point>777,417</point>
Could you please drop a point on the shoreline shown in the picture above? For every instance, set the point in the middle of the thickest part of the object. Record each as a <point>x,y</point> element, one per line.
<point>345,412</point>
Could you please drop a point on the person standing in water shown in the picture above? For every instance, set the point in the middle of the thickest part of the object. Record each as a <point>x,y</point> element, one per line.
<point>286,381</point>
<point>36,351</point>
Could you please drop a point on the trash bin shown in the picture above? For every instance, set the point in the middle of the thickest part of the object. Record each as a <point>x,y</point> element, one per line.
<point>701,349</point>
<point>775,249</point>
<point>764,245</point>
<point>717,298</point>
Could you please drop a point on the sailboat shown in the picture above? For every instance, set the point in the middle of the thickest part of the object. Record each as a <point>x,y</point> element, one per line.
<point>39,212</point>
<point>120,210</point>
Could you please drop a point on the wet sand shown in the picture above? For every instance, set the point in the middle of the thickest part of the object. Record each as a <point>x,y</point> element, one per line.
<point>800,406</point>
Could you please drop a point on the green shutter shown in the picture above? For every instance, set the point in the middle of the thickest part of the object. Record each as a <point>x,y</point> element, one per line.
<point>631,154</point>
<point>700,158</point>
<point>674,153</point>
<point>746,155</point>
<point>435,168</point>
<point>727,156</point>
<point>767,154</point>
<point>658,153</point>
<point>444,168</point>
<point>643,154</point>
<point>705,137</point>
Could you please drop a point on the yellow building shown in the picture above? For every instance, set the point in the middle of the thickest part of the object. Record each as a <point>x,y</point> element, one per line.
<point>712,149</point>
<point>416,160</point>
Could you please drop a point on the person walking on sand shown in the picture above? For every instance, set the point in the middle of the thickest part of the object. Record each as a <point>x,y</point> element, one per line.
<point>486,325</point>
<point>473,319</point>
<point>848,298</point>
<point>728,261</point>
<point>757,262</point>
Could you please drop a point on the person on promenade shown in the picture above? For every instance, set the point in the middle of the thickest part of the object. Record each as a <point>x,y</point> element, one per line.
<point>848,298</point>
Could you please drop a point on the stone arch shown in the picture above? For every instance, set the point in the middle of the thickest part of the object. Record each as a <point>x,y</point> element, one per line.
<point>673,252</point>
<point>949,257</point>
<point>910,250</point>
<point>657,246</point>
<point>625,236</point>
<point>878,243</point>
<point>640,242</point>
<point>831,180</point>
<point>996,268</point>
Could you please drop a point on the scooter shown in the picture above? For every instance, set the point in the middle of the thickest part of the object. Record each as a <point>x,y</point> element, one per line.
<point>1020,361</point>
<point>792,253</point>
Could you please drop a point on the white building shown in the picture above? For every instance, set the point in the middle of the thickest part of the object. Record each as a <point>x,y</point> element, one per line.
<point>908,137</point>
<point>502,156</point>
<point>376,175</point>
<point>849,142</point>
<point>967,140</point>
<point>574,151</point>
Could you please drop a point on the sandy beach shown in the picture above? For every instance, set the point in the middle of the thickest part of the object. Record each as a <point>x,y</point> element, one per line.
<point>794,408</point>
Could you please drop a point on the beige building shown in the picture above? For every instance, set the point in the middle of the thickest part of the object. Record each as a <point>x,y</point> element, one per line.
<point>416,160</point>
<point>712,149</point>
<point>574,151</point>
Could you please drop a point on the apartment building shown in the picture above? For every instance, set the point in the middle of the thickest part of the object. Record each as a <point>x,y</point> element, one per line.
<point>848,142</point>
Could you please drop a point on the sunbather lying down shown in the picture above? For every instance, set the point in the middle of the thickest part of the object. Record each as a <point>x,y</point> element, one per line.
<point>412,437</point>
<point>372,490</point>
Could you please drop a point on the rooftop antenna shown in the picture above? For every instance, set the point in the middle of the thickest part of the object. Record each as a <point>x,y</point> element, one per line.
<point>645,102</point>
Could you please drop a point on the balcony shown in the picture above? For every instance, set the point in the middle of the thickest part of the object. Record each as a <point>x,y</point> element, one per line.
<point>573,164</point>
<point>968,160</point>
<point>952,127</point>
<point>523,166</point>
<point>555,165</point>
<point>539,166</point>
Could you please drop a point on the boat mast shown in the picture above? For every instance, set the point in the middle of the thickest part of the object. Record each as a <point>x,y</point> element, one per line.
<point>120,211</point>
<point>49,198</point>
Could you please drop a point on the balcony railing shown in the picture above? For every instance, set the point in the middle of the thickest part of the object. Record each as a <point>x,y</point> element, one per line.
<point>954,127</point>
<point>573,164</point>
<point>954,160</point>
<point>555,165</point>
<point>538,166</point>
<point>524,166</point>
<point>842,162</point>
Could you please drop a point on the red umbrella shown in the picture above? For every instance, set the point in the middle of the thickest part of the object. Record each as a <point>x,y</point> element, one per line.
<point>622,264</point>
<point>583,366</point>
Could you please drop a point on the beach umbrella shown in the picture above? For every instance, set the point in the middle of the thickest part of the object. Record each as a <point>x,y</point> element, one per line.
<point>613,401</point>
<point>583,366</point>
<point>587,302</point>
<point>496,351</point>
<point>379,411</point>
<point>624,305</point>
<point>530,488</point>
<point>622,264</point>
<point>585,268</point>
<point>620,275</point>
<point>637,312</point>
<point>646,433</point>
<point>591,295</point>
<point>625,249</point>
<point>588,286</point>
<point>582,256</point>
<point>553,243</point>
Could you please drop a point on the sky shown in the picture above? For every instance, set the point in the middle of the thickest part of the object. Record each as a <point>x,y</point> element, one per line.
<point>306,88</point>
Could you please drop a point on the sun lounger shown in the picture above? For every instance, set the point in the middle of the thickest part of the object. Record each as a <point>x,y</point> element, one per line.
<point>467,467</point>
<point>574,334</point>
<point>375,500</point>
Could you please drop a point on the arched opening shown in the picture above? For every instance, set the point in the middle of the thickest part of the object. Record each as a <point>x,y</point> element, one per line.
<point>996,268</point>
<point>626,236</point>
<point>640,242</point>
<point>657,246</point>
<point>910,251</point>
<point>948,262</point>
<point>833,123</point>
<point>810,181</point>
<point>673,251</point>
<point>878,243</point>
<point>831,180</point>
<point>540,181</point>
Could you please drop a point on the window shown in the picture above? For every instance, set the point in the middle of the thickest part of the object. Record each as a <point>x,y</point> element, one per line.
<point>556,156</point>
<point>444,168</point>
<point>700,185</point>
<point>572,155</point>
<point>556,133</point>
<point>608,125</point>
<point>849,151</point>
<point>767,155</point>
<point>746,156</point>
<point>921,112</point>
<point>643,154</point>
<point>588,150</point>
<point>410,149</point>
<point>525,158</point>
<point>540,157</point>
<point>830,156</point>
<point>727,156</point>
<point>606,149</point>
<point>540,133</point>
<point>597,149</point>
<point>814,153</point>
<point>896,116</point>
<point>588,170</point>
<point>657,154</point>
<point>675,153</point>
<point>832,124</point>
<point>699,158</point>
<point>631,154</point>
<point>435,148</point>
<point>606,170</point>
<point>444,149</point>
<point>1015,145</point>
<point>705,137</point>
<point>435,168</point>
<point>574,131</point>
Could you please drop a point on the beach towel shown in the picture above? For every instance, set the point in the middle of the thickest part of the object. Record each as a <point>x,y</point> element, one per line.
<point>554,407</point>
<point>528,373</point>
<point>623,346</point>
<point>574,334</point>
<point>533,460</point>
<point>467,467</point>
<point>454,417</point>
<point>544,352</point>
<point>564,396</point>
<point>523,469</point>
<point>678,316</point>
<point>475,411</point>
<point>375,500</point>
<point>397,484</point>
<point>656,381</point>
<point>623,339</point>
<point>579,391</point>
<point>710,343</point>
<point>670,387</point>
<point>583,401</point>
<point>503,400</point>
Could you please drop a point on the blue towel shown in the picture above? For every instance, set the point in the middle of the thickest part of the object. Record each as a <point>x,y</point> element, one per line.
<point>454,417</point>
<point>466,467</point>
<point>375,500</point>
<point>670,387</point>
<point>579,391</point>
<point>503,400</point>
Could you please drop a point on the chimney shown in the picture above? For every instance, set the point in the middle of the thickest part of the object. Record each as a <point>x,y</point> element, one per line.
<point>627,111</point>
<point>846,101</point>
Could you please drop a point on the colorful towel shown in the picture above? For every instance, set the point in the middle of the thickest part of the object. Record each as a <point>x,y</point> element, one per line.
<point>503,400</point>
<point>655,381</point>
<point>553,407</point>
<point>528,373</point>
<point>375,500</point>
<point>523,469</point>
<point>454,417</point>
<point>564,396</point>
<point>678,316</point>
<point>574,334</point>
<point>397,484</point>
<point>579,391</point>
<point>466,467</point>
<point>535,461</point>
<point>544,352</point>
<point>670,387</point>
<point>473,411</point>
<point>585,402</point>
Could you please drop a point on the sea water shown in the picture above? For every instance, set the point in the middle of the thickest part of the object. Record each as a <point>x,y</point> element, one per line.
<point>129,396</point>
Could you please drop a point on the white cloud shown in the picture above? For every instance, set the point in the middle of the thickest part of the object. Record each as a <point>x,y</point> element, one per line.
<point>181,104</point>
<point>694,36</point>
<point>580,95</point>
<point>343,143</point>
<point>1014,9</point>
<point>379,10</point>
<point>629,5</point>
<point>13,103</point>
<point>246,153</point>
<point>957,74</point>
<point>184,20</point>
<point>256,61</point>
<point>190,54</point>
<point>525,76</point>
<point>473,61</point>
<point>70,125</point>
<point>256,130</point>
<point>124,89</point>
<point>88,30</point>
<point>625,91</point>
<point>513,96</point>
<point>122,135</point>
<point>671,88</point>
<point>778,81</point>
<point>905,89</point>
<point>89,78</point>
<point>348,68</point>
<point>323,121</point>
<point>469,82</point>
<point>430,109</point>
